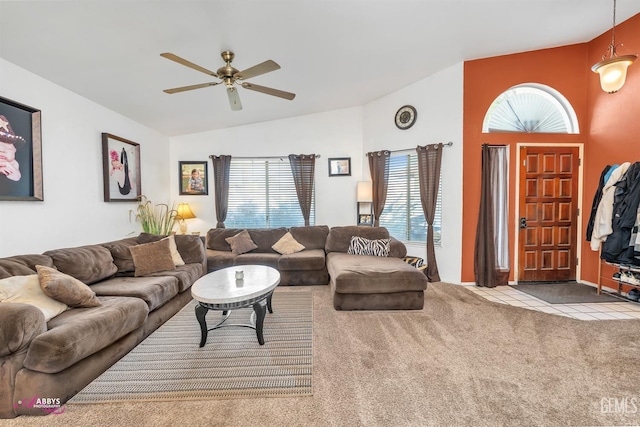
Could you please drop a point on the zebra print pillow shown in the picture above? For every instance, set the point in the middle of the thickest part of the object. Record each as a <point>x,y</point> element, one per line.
<point>361,246</point>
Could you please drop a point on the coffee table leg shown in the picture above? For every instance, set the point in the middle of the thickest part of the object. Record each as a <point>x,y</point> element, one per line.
<point>201,313</point>
<point>269,302</point>
<point>261,311</point>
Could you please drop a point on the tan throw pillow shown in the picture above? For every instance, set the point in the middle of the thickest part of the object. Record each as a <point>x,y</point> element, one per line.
<point>287,245</point>
<point>241,243</point>
<point>27,290</point>
<point>175,255</point>
<point>66,289</point>
<point>152,257</point>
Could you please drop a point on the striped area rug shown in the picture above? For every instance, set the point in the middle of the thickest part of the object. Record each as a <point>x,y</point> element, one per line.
<point>169,365</point>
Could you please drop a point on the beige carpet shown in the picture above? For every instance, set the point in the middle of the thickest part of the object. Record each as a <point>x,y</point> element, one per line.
<point>460,361</point>
<point>170,365</point>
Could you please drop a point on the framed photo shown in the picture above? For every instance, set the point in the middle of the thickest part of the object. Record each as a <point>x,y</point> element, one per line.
<point>194,178</point>
<point>20,152</point>
<point>340,166</point>
<point>121,169</point>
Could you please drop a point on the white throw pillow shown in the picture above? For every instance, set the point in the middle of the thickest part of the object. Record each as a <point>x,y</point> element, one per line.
<point>175,255</point>
<point>27,290</point>
<point>287,245</point>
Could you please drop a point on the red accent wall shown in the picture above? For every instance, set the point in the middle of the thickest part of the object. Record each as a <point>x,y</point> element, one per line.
<point>609,124</point>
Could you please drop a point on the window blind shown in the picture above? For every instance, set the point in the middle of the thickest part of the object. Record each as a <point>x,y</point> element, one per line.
<point>262,194</point>
<point>403,215</point>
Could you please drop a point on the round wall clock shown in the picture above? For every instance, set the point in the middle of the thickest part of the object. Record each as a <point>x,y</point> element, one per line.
<point>406,117</point>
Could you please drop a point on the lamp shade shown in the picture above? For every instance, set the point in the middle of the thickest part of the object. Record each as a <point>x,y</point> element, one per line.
<point>613,72</point>
<point>184,211</point>
<point>364,192</point>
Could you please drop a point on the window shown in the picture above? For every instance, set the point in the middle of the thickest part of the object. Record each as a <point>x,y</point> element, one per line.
<point>402,214</point>
<point>262,194</point>
<point>531,108</point>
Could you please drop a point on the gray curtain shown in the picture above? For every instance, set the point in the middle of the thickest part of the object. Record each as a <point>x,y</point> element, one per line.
<point>303,170</point>
<point>429,164</point>
<point>221,167</point>
<point>491,262</point>
<point>379,170</point>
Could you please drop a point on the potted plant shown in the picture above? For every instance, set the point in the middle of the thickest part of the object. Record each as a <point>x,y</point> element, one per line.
<point>155,219</point>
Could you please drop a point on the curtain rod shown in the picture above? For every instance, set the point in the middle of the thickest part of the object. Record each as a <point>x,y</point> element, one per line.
<point>261,157</point>
<point>407,150</point>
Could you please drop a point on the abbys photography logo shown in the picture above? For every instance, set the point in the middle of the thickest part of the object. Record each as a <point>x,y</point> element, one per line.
<point>619,405</point>
<point>49,405</point>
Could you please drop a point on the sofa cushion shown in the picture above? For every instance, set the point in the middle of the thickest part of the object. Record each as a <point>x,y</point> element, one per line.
<point>89,264</point>
<point>152,257</point>
<point>173,248</point>
<point>80,332</point>
<point>339,238</point>
<point>258,258</point>
<point>307,260</point>
<point>22,265</point>
<point>66,289</point>
<point>362,246</point>
<point>311,236</point>
<point>186,274</point>
<point>27,290</point>
<point>155,291</point>
<point>264,238</point>
<point>287,245</point>
<point>219,259</point>
<point>19,324</point>
<point>362,274</point>
<point>241,243</point>
<point>217,238</point>
<point>121,254</point>
<point>190,247</point>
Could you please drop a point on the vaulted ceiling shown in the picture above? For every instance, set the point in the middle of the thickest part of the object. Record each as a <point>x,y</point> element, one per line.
<point>334,54</point>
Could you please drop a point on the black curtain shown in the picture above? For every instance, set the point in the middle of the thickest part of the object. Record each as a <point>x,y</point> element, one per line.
<point>221,167</point>
<point>303,170</point>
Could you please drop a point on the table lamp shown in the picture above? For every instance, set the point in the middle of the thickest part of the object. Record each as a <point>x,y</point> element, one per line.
<point>184,213</point>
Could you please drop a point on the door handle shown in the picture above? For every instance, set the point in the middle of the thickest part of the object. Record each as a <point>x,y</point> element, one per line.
<point>523,222</point>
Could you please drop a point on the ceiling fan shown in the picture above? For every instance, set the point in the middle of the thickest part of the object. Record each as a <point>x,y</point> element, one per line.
<point>231,77</point>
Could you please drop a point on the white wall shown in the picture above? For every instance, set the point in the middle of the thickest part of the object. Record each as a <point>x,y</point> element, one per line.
<point>73,211</point>
<point>332,134</point>
<point>439,102</point>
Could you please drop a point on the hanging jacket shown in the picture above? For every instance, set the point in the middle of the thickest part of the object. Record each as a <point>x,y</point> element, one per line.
<point>596,201</point>
<point>618,247</point>
<point>602,221</point>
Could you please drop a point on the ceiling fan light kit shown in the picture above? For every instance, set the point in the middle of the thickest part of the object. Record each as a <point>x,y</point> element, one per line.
<point>231,78</point>
<point>613,71</point>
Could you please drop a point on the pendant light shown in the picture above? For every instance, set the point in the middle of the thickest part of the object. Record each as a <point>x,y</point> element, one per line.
<point>613,71</point>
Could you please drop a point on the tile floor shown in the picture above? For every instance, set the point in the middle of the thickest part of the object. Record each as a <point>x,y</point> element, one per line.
<point>585,311</point>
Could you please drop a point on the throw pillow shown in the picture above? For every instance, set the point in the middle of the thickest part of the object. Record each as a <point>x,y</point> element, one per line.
<point>361,246</point>
<point>66,289</point>
<point>241,243</point>
<point>175,255</point>
<point>152,257</point>
<point>287,245</point>
<point>27,290</point>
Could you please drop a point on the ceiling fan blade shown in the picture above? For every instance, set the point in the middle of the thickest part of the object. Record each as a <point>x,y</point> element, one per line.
<point>185,88</point>
<point>269,91</point>
<point>256,70</point>
<point>186,63</point>
<point>234,99</point>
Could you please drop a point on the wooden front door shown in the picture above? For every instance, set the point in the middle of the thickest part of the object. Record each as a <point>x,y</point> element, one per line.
<point>548,213</point>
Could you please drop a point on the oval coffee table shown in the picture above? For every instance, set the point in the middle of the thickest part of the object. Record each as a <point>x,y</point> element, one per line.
<point>221,291</point>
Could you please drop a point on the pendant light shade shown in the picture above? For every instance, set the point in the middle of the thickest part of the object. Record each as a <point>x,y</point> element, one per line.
<point>613,71</point>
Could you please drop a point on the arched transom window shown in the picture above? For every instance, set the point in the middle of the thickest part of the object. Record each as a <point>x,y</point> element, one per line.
<point>531,108</point>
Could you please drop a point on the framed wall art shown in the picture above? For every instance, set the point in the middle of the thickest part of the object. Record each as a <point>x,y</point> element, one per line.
<point>20,152</point>
<point>121,169</point>
<point>340,166</point>
<point>194,178</point>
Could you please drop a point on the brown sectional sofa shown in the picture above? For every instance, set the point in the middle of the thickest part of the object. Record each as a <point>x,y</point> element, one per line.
<point>307,267</point>
<point>57,359</point>
<point>359,282</point>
